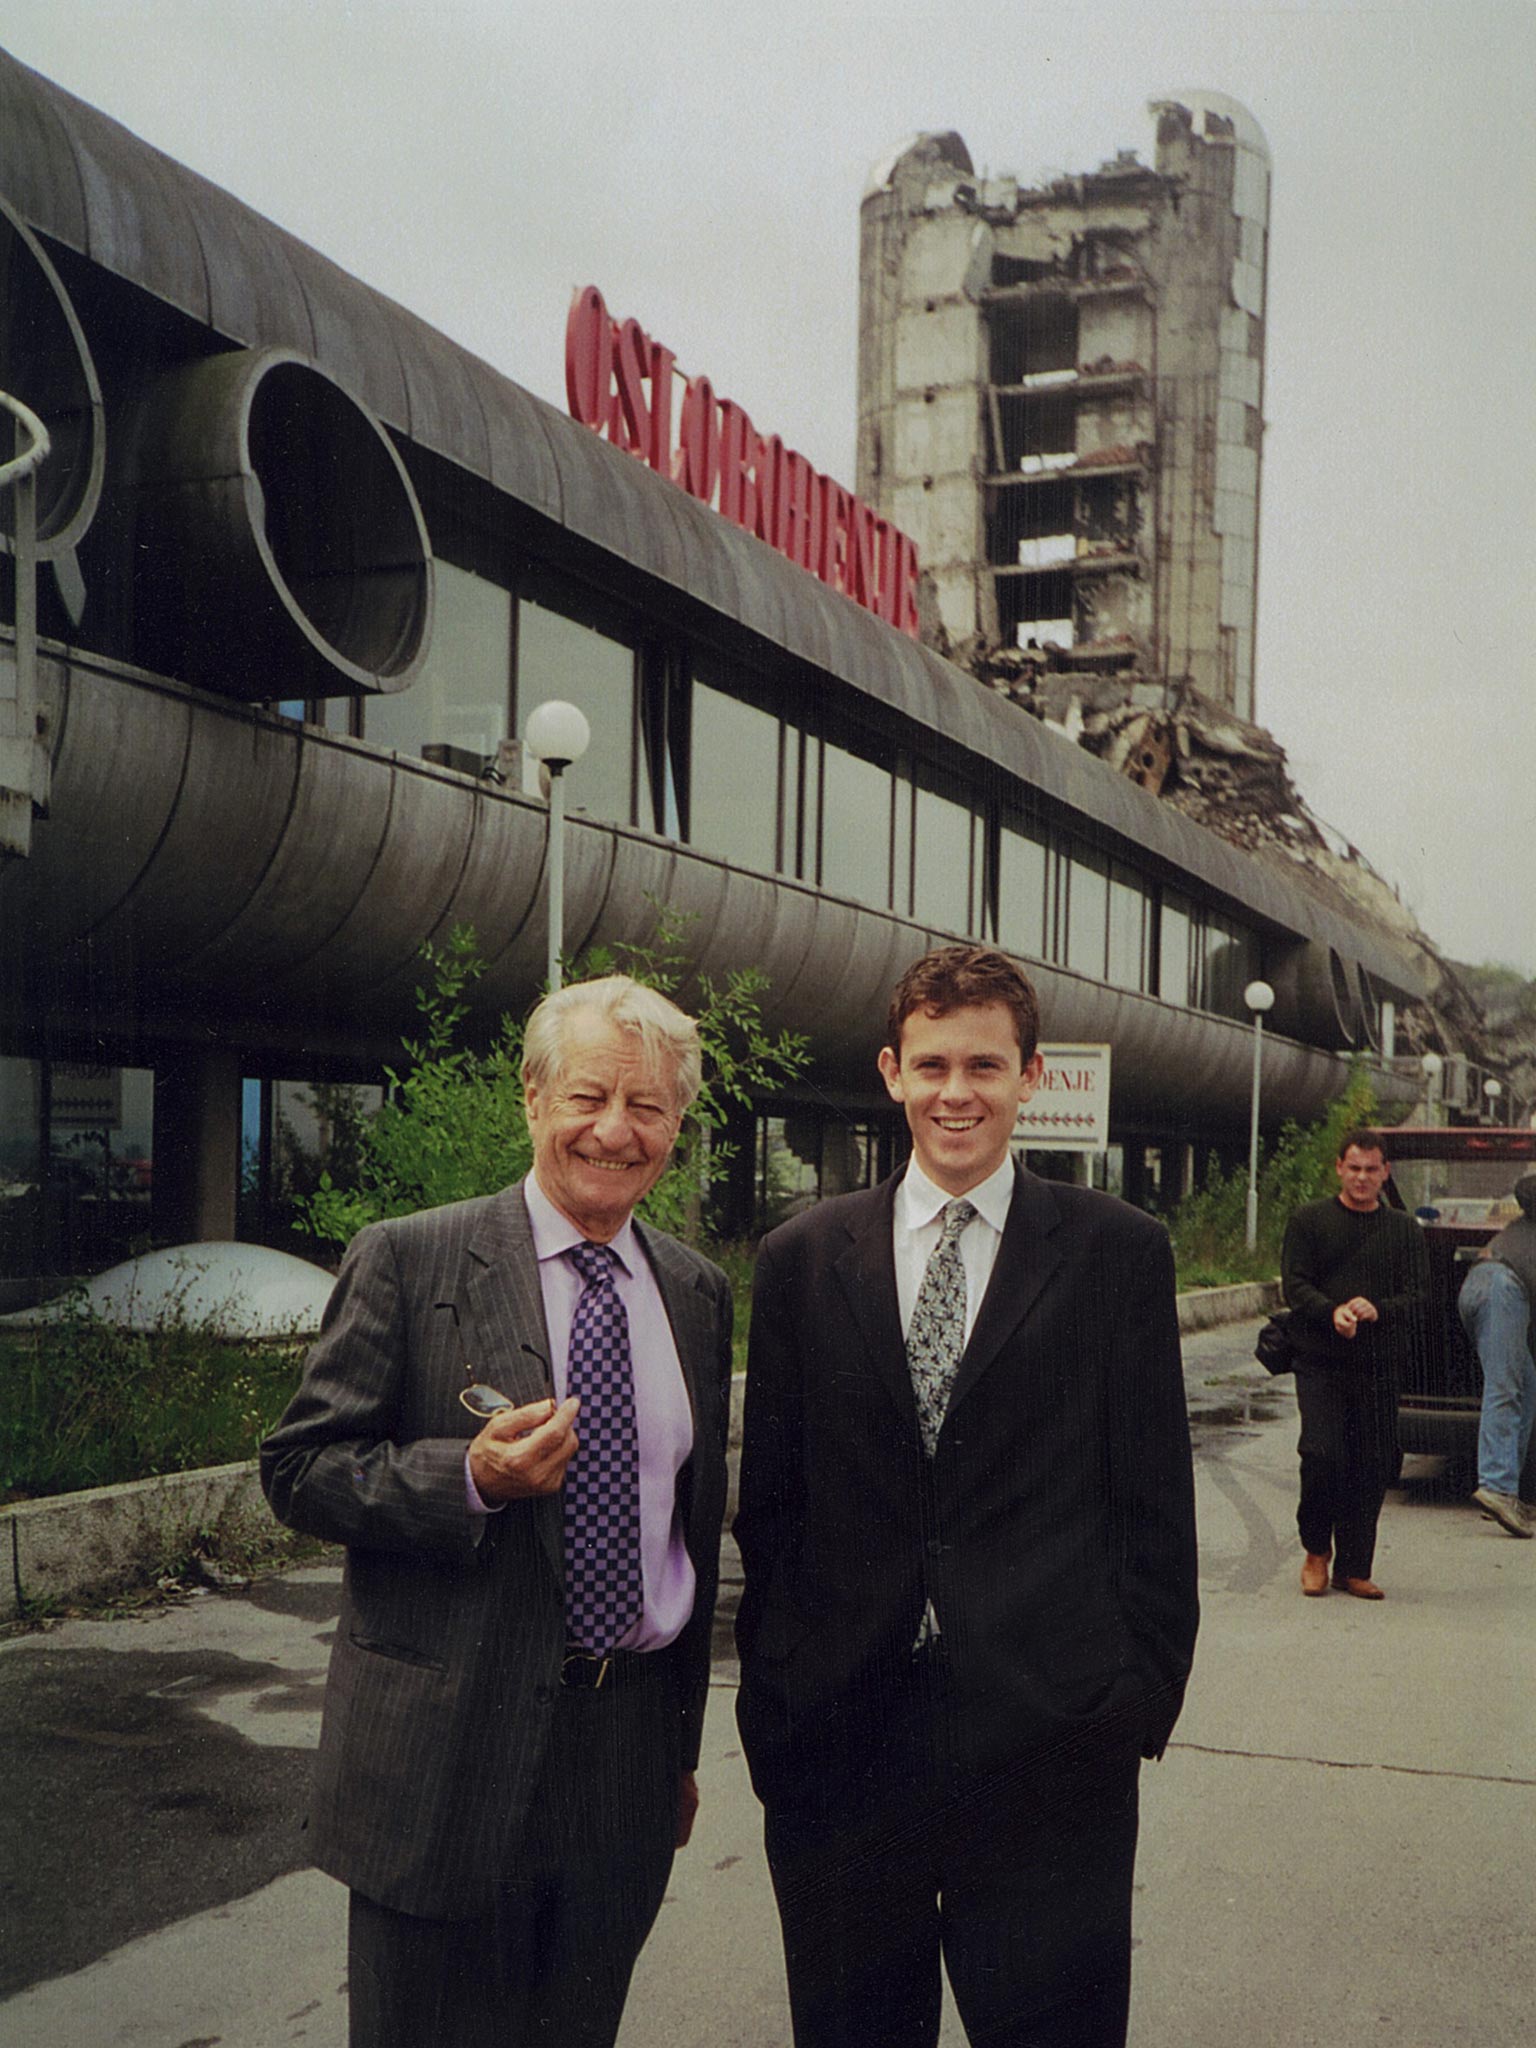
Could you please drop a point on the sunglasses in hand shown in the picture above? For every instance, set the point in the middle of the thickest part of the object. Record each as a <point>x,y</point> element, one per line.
<point>477,1396</point>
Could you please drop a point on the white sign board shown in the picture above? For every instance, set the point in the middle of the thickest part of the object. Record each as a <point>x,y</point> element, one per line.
<point>1069,1111</point>
<point>86,1097</point>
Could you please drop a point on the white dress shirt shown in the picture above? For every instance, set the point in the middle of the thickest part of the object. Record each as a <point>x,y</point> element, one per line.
<point>919,1224</point>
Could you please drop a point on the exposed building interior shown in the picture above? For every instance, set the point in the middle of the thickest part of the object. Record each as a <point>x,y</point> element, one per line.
<point>1061,394</point>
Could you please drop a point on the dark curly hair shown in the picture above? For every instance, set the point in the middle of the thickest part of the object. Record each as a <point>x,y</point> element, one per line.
<point>962,978</point>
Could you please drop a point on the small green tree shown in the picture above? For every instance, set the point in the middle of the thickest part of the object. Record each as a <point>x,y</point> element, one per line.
<point>454,1124</point>
<point>341,1117</point>
<point>1209,1227</point>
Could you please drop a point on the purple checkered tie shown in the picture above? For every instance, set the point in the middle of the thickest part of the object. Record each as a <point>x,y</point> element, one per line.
<point>602,1481</point>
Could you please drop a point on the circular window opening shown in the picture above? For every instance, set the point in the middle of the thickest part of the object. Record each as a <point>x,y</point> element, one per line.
<point>1369,1008</point>
<point>44,361</point>
<point>1344,1001</point>
<point>340,519</point>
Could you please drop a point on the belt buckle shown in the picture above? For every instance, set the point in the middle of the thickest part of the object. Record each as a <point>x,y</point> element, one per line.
<point>594,1669</point>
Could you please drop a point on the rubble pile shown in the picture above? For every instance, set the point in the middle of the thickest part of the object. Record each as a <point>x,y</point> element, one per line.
<point>1232,777</point>
<point>1207,762</point>
<point>1506,1005</point>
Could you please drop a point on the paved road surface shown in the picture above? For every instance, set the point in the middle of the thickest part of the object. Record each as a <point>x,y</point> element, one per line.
<point>1336,1850</point>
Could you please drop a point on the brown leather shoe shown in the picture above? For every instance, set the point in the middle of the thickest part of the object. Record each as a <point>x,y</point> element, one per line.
<point>1363,1589</point>
<point>1314,1574</point>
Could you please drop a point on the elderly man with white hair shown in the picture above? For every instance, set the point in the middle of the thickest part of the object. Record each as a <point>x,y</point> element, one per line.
<point>515,1421</point>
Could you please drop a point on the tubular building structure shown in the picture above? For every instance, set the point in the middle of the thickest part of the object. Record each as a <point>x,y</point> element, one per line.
<point>305,566</point>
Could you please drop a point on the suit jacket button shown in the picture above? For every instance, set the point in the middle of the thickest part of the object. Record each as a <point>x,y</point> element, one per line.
<point>935,1547</point>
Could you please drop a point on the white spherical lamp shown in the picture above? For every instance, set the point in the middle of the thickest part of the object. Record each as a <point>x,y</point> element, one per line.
<point>557,734</point>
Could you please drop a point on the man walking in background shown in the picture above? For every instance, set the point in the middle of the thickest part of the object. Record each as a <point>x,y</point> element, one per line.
<point>967,1529</point>
<point>515,1420</point>
<point>1356,1278</point>
<point>1495,1309</point>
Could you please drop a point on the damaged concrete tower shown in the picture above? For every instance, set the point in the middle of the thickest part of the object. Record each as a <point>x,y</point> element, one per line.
<point>1061,399</point>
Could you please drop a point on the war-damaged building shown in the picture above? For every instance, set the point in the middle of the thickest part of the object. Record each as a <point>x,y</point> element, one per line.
<point>1061,397</point>
<point>306,566</point>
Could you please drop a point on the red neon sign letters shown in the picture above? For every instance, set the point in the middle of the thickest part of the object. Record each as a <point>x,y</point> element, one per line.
<point>619,382</point>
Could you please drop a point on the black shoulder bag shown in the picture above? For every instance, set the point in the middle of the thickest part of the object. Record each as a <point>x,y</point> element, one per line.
<point>1273,1347</point>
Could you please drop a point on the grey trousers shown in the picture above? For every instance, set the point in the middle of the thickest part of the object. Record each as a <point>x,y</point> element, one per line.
<point>551,1964</point>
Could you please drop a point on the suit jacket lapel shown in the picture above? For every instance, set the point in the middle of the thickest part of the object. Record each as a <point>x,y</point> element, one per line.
<point>688,1310</point>
<point>505,1336</point>
<point>866,1273</point>
<point>692,1317</point>
<point>1026,1258</point>
<point>502,1294</point>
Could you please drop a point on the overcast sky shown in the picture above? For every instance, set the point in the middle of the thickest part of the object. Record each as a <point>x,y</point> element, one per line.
<point>703,163</point>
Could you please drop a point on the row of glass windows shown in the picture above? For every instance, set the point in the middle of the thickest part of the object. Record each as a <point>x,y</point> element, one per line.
<point>802,1156</point>
<point>675,752</point>
<point>76,1167</point>
<point>77,1163</point>
<point>77,1153</point>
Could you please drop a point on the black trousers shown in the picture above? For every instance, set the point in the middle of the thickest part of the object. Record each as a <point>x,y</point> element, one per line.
<point>551,1965</point>
<point>1348,1450</point>
<point>1020,1880</point>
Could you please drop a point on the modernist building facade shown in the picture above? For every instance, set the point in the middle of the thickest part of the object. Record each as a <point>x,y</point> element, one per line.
<point>308,565</point>
<point>1061,396</point>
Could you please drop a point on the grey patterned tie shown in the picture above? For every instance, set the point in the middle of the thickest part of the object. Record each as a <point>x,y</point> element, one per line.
<point>936,1333</point>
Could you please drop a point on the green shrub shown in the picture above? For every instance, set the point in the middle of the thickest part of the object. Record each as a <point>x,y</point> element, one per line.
<point>454,1124</point>
<point>737,1256</point>
<point>1209,1227</point>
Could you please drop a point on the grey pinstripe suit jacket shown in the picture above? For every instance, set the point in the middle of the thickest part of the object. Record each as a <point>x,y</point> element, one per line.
<point>446,1662</point>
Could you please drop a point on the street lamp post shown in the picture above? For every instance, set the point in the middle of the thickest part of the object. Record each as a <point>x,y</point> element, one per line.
<point>557,734</point>
<point>1258,997</point>
<point>1492,1090</point>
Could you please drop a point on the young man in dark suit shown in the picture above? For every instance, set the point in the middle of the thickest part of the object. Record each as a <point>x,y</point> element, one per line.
<point>968,1536</point>
<point>516,1694</point>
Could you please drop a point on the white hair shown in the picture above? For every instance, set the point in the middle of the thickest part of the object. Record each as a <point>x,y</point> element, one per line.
<point>667,1034</point>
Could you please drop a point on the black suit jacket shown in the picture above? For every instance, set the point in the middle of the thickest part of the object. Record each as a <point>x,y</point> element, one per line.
<point>1053,1529</point>
<point>447,1658</point>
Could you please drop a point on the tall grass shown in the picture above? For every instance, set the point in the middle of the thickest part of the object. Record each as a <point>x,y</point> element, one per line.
<point>83,1403</point>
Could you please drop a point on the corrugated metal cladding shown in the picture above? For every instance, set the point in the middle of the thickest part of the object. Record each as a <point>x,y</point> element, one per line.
<point>81,178</point>
<point>344,862</point>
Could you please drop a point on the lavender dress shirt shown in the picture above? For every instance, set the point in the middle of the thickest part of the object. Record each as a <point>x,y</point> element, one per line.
<point>663,1413</point>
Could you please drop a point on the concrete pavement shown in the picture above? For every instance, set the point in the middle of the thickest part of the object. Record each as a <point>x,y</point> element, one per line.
<point>1332,1850</point>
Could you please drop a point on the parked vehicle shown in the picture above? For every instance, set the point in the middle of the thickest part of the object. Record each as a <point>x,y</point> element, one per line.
<point>1459,1182</point>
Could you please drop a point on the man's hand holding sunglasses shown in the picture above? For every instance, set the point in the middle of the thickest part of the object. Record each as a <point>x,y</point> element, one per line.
<point>522,1452</point>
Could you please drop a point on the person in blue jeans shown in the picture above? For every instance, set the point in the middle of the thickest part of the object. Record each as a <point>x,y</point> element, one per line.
<point>1495,1309</point>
